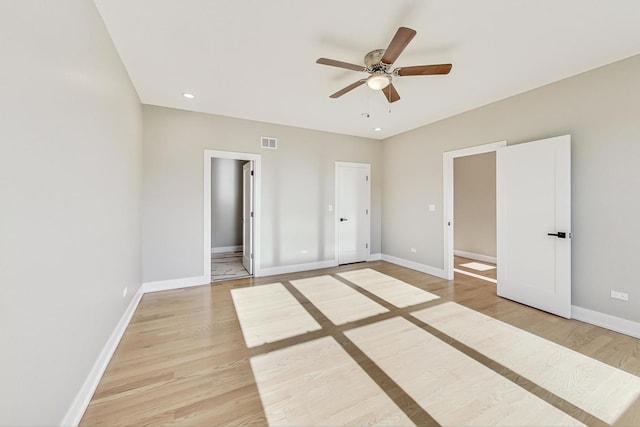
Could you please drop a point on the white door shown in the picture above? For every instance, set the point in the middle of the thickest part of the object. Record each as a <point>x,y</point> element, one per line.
<point>247,216</point>
<point>352,211</point>
<point>534,224</point>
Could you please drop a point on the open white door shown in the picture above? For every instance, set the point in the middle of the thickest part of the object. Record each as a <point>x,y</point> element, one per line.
<point>534,224</point>
<point>352,212</point>
<point>247,216</point>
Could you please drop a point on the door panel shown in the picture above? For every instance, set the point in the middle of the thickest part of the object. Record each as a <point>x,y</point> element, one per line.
<point>352,212</point>
<point>247,216</point>
<point>534,200</point>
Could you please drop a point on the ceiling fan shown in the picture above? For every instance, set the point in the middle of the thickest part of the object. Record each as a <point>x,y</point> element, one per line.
<point>378,63</point>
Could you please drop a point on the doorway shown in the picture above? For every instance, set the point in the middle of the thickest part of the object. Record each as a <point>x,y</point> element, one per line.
<point>533,212</point>
<point>449,215</point>
<point>231,214</point>
<point>352,213</point>
<point>474,216</point>
<point>227,219</point>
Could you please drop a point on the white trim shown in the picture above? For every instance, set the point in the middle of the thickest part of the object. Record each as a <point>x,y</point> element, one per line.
<point>83,397</point>
<point>374,257</point>
<point>477,276</point>
<point>294,268</point>
<point>167,285</point>
<point>257,170</point>
<point>424,268</point>
<point>606,321</point>
<point>477,257</point>
<point>447,193</point>
<point>337,167</point>
<point>223,249</point>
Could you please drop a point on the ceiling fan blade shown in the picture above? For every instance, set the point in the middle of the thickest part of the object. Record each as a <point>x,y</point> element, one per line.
<point>402,38</point>
<point>340,64</point>
<point>423,70</point>
<point>352,86</point>
<point>391,93</point>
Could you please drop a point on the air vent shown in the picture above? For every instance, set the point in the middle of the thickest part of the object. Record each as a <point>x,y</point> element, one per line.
<point>266,142</point>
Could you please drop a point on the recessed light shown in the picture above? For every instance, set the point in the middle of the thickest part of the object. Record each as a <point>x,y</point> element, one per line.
<point>377,129</point>
<point>188,95</point>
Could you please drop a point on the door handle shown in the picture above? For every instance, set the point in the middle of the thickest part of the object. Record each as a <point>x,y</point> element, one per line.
<point>559,234</point>
<point>344,219</point>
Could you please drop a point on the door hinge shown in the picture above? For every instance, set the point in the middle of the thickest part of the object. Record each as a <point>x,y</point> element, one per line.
<point>251,173</point>
<point>366,211</point>
<point>251,214</point>
<point>252,256</point>
<point>367,178</point>
<point>366,246</point>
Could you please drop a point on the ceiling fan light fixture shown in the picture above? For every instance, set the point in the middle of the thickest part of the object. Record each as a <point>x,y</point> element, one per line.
<point>378,81</point>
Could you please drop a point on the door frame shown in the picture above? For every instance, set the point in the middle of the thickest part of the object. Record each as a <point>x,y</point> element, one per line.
<point>257,168</point>
<point>247,216</point>
<point>447,192</point>
<point>336,209</point>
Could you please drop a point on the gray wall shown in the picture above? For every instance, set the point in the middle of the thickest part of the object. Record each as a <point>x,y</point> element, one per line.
<point>226,202</point>
<point>297,188</point>
<point>601,110</point>
<point>70,194</point>
<point>474,213</point>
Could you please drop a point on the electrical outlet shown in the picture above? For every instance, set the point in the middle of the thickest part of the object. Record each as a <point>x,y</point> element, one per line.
<point>124,292</point>
<point>413,250</point>
<point>619,295</point>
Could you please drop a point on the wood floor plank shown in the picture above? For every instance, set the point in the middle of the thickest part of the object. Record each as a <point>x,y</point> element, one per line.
<point>337,301</point>
<point>270,313</point>
<point>591,385</point>
<point>318,384</point>
<point>395,291</point>
<point>454,388</point>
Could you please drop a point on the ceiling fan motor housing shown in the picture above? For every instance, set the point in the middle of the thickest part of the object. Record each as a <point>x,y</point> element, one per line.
<point>373,60</point>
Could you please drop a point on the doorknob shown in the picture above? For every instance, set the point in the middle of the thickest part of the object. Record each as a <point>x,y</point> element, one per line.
<point>559,234</point>
<point>344,219</point>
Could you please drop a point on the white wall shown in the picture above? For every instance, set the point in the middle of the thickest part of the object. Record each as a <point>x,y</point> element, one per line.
<point>474,216</point>
<point>600,109</point>
<point>226,202</point>
<point>297,187</point>
<point>70,195</point>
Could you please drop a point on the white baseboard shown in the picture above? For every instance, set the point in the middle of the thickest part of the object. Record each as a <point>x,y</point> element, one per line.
<point>424,268</point>
<point>166,285</point>
<point>221,249</point>
<point>285,269</point>
<point>477,257</point>
<point>374,257</point>
<point>606,321</point>
<point>83,397</point>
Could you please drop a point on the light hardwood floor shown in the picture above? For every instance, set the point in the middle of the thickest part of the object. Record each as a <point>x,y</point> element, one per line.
<point>458,264</point>
<point>183,359</point>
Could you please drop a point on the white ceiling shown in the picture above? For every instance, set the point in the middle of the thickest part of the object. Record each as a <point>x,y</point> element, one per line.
<point>255,59</point>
